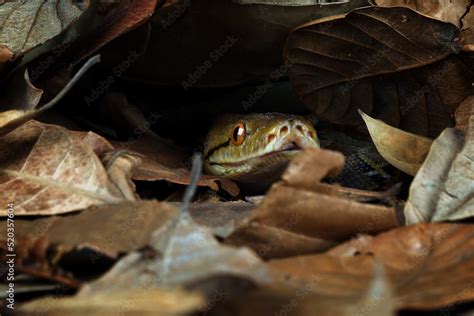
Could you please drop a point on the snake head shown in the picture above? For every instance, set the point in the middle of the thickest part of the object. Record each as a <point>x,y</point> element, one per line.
<point>253,149</point>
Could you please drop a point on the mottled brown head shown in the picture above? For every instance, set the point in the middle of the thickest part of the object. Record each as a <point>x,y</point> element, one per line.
<point>254,149</point>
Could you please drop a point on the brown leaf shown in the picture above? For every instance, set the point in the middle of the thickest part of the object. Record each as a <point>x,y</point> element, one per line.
<point>112,229</point>
<point>429,266</point>
<point>443,189</point>
<point>463,113</point>
<point>468,27</point>
<point>307,213</point>
<point>125,302</point>
<point>445,11</point>
<point>181,253</point>
<point>405,151</point>
<point>385,61</point>
<point>28,24</point>
<point>161,161</point>
<point>127,16</point>
<point>45,170</point>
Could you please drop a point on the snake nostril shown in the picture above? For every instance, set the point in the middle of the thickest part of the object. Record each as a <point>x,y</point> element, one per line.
<point>283,130</point>
<point>311,134</point>
<point>300,128</point>
<point>271,138</point>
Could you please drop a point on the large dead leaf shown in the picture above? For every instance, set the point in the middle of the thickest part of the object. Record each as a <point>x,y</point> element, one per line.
<point>447,11</point>
<point>46,170</point>
<point>392,63</point>
<point>443,189</point>
<point>416,267</point>
<point>110,230</point>
<point>181,253</point>
<point>301,215</point>
<point>27,24</point>
<point>403,150</point>
<point>137,302</point>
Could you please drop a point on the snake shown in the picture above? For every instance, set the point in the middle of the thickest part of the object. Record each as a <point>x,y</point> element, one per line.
<point>254,149</point>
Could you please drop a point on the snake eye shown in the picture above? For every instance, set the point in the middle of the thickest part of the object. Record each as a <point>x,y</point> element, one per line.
<point>238,134</point>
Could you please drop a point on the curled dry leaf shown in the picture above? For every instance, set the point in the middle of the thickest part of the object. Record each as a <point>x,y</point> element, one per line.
<point>392,63</point>
<point>18,93</point>
<point>405,151</point>
<point>301,215</point>
<point>47,170</point>
<point>443,189</point>
<point>451,11</point>
<point>428,266</point>
<point>40,22</point>
<point>23,112</point>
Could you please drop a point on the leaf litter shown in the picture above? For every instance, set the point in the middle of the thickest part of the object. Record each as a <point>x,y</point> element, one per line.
<point>308,245</point>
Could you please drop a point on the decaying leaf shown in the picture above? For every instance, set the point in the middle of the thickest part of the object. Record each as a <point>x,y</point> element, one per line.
<point>27,24</point>
<point>20,113</point>
<point>128,15</point>
<point>405,151</point>
<point>18,93</point>
<point>46,170</point>
<point>301,215</point>
<point>392,63</point>
<point>447,11</point>
<point>163,161</point>
<point>443,189</point>
<point>463,113</point>
<point>146,301</point>
<point>429,266</point>
<point>183,253</point>
<point>112,229</point>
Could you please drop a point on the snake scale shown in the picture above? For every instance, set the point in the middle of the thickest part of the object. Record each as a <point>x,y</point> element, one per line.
<point>253,150</point>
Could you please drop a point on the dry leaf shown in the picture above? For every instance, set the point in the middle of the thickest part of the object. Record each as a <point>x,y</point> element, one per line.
<point>145,301</point>
<point>447,11</point>
<point>129,15</point>
<point>429,266</point>
<point>162,161</point>
<point>27,24</point>
<point>463,113</point>
<point>392,63</point>
<point>112,229</point>
<point>403,150</point>
<point>46,170</point>
<point>300,215</point>
<point>21,113</point>
<point>18,93</point>
<point>182,253</point>
<point>443,189</point>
